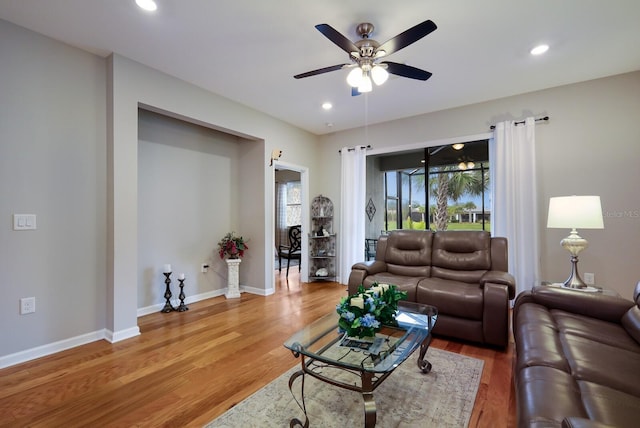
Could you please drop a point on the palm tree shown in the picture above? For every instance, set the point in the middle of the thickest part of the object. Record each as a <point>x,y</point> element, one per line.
<point>452,183</point>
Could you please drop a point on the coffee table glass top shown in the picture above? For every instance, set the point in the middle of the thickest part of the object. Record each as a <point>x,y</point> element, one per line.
<point>322,341</point>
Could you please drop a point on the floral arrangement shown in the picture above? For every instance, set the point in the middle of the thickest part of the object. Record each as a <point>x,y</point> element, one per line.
<point>364,313</point>
<point>232,246</point>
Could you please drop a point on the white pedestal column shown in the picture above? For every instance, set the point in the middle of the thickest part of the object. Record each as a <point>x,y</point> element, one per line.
<point>233,279</point>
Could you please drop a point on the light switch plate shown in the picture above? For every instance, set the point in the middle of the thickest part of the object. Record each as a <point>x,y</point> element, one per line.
<point>24,222</point>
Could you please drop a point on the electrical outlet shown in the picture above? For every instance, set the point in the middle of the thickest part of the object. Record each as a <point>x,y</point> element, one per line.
<point>27,305</point>
<point>589,278</point>
<point>204,268</point>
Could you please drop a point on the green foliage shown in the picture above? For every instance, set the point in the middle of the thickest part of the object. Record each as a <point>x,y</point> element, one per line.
<point>364,313</point>
<point>232,246</point>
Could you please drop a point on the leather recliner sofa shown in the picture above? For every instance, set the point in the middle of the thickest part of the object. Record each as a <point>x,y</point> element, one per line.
<point>462,273</point>
<point>577,360</point>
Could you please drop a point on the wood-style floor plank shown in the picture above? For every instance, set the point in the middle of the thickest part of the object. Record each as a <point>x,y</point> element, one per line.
<point>187,368</point>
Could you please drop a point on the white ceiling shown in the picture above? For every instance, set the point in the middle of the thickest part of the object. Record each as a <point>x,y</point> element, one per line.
<point>249,50</point>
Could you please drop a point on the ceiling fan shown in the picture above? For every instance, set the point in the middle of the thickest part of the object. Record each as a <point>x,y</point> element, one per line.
<point>366,54</point>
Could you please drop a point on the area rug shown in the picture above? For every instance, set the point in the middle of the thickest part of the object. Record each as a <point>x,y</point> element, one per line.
<point>442,398</point>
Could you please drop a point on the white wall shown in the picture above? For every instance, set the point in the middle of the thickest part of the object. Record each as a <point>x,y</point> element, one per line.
<point>590,146</point>
<point>52,164</point>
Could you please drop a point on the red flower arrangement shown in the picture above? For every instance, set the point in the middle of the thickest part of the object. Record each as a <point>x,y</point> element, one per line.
<point>232,246</point>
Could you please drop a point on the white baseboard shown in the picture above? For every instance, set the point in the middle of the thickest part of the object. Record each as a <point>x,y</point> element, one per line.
<point>51,348</point>
<point>108,335</point>
<point>117,336</point>
<point>175,302</point>
<point>203,296</point>
<point>258,291</point>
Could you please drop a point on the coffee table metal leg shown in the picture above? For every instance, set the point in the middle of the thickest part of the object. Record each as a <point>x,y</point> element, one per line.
<point>295,421</point>
<point>424,365</point>
<point>369,402</point>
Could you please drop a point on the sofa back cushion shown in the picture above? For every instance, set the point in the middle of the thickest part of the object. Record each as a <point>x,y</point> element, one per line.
<point>461,255</point>
<point>408,252</point>
<point>631,320</point>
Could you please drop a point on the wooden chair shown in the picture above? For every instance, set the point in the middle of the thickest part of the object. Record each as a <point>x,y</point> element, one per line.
<point>293,251</point>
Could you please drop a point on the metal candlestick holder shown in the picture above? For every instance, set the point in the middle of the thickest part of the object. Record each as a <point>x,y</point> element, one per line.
<point>182,306</point>
<point>167,294</point>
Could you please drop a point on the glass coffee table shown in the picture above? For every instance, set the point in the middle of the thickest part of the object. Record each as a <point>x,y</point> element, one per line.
<point>330,357</point>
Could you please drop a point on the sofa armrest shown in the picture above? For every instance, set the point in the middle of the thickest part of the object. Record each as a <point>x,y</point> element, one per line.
<point>575,422</point>
<point>495,317</point>
<point>361,270</point>
<point>594,305</point>
<point>499,277</point>
<point>371,267</point>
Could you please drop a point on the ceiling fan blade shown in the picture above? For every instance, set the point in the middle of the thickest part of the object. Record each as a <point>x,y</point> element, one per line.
<point>407,37</point>
<point>341,41</point>
<point>406,71</point>
<point>320,71</point>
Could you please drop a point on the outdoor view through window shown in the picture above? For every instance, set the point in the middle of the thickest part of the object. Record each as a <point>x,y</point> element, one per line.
<point>454,179</point>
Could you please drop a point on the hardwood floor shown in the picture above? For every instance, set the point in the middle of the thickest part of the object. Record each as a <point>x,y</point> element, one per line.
<point>187,368</point>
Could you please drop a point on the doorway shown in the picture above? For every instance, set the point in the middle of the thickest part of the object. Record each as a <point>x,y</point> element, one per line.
<point>295,179</point>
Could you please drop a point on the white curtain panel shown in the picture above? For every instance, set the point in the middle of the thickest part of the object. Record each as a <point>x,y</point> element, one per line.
<point>352,212</point>
<point>514,211</point>
<point>281,215</point>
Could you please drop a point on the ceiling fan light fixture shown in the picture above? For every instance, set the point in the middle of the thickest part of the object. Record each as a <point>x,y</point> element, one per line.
<point>148,5</point>
<point>365,85</point>
<point>539,50</point>
<point>354,78</point>
<point>470,164</point>
<point>457,146</point>
<point>379,74</point>
<point>462,166</point>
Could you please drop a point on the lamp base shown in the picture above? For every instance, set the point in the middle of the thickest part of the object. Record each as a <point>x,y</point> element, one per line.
<point>574,280</point>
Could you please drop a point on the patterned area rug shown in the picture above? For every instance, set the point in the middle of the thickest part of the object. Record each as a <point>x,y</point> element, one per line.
<point>442,398</point>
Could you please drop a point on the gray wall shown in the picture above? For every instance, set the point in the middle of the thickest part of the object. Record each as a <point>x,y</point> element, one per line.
<point>183,211</point>
<point>52,164</point>
<point>590,146</point>
<point>69,152</point>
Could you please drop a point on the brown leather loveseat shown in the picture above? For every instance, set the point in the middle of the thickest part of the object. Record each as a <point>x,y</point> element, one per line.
<point>462,273</point>
<point>577,359</point>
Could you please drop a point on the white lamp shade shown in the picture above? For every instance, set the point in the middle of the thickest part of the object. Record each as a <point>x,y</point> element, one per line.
<point>575,212</point>
<point>354,78</point>
<point>365,85</point>
<point>379,75</point>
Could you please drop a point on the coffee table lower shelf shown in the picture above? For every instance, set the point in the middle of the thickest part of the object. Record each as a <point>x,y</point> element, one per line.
<point>369,381</point>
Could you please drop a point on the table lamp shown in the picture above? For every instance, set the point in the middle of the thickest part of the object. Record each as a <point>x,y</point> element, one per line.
<point>573,212</point>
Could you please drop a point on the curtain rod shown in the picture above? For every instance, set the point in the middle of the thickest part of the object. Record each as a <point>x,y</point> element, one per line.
<point>540,119</point>
<point>350,149</point>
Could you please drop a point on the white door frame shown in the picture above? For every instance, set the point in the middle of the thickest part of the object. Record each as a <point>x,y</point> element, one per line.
<point>304,182</point>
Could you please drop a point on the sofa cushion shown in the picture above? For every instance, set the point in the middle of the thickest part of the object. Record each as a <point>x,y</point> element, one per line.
<point>594,329</point>
<point>603,364</point>
<point>461,256</point>
<point>546,396</point>
<point>408,253</point>
<point>537,339</point>
<point>404,283</point>
<point>609,406</point>
<point>455,298</point>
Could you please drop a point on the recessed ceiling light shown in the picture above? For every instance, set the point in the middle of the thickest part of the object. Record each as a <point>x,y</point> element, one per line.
<point>148,5</point>
<point>327,106</point>
<point>539,50</point>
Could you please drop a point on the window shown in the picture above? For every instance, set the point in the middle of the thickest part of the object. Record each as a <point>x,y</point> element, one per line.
<point>294,203</point>
<point>455,182</point>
